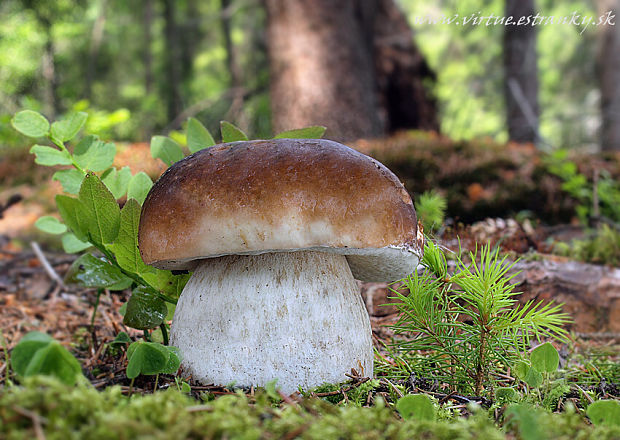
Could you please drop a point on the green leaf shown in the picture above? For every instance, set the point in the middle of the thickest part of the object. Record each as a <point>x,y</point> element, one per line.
<point>145,309</point>
<point>166,282</point>
<point>533,378</point>
<point>604,412</point>
<point>38,353</point>
<point>545,358</point>
<point>72,245</point>
<point>101,210</point>
<point>313,132</point>
<point>416,407</point>
<point>30,123</point>
<point>70,179</point>
<point>50,224</point>
<point>121,338</point>
<point>139,187</point>
<point>66,129</point>
<point>506,394</point>
<point>117,181</point>
<point>166,149</point>
<point>25,349</point>
<point>93,154</point>
<point>146,358</point>
<point>71,210</point>
<point>91,271</point>
<point>125,247</point>
<point>230,133</point>
<point>174,361</point>
<point>54,360</point>
<point>50,156</point>
<point>198,137</point>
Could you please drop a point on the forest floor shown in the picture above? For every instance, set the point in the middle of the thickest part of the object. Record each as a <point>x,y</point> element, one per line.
<point>33,297</point>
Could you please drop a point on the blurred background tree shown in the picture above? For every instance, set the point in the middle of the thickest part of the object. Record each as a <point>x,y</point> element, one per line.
<point>373,67</point>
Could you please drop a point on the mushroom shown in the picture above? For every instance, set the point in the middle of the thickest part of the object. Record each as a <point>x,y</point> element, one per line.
<point>275,233</point>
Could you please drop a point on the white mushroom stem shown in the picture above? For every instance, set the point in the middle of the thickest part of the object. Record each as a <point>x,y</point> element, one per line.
<point>293,316</point>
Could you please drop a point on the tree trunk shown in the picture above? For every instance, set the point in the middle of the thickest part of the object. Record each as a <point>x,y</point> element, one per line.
<point>148,37</point>
<point>521,75</point>
<point>608,66</point>
<point>321,67</point>
<point>172,59</point>
<point>401,72</point>
<point>350,65</point>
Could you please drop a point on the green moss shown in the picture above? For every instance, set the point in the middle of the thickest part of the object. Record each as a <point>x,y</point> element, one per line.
<point>82,412</point>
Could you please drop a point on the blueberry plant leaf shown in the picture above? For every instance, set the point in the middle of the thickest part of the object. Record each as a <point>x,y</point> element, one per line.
<point>91,271</point>
<point>101,210</point>
<point>31,124</point>
<point>50,156</point>
<point>545,358</point>
<point>50,224</point>
<point>117,181</point>
<point>145,309</point>
<point>313,132</point>
<point>71,210</point>
<point>71,244</point>
<point>93,154</point>
<point>416,407</point>
<point>69,127</point>
<point>166,282</point>
<point>70,179</point>
<point>139,187</point>
<point>146,358</point>
<point>125,247</point>
<point>230,133</point>
<point>198,137</point>
<point>166,149</point>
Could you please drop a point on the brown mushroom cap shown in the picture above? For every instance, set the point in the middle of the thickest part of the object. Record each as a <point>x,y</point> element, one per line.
<point>281,195</point>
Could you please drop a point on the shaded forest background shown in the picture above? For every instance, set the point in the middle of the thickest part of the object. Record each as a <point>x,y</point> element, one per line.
<point>142,67</point>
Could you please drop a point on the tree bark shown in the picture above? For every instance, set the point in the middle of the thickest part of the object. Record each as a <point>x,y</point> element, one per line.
<point>148,37</point>
<point>321,67</point>
<point>521,75</point>
<point>401,73</point>
<point>172,60</point>
<point>608,66</point>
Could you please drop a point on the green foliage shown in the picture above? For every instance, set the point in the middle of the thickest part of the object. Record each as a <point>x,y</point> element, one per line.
<point>601,246</point>
<point>94,219</point>
<point>431,210</point>
<point>416,407</point>
<point>230,133</point>
<point>578,186</point>
<point>166,149</point>
<point>545,358</point>
<point>39,354</point>
<point>314,132</point>
<point>198,137</point>
<point>84,412</point>
<point>468,324</point>
<point>151,358</point>
<point>605,412</point>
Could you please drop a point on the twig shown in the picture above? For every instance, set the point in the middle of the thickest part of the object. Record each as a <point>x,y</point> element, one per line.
<point>46,265</point>
<point>393,387</point>
<point>36,420</point>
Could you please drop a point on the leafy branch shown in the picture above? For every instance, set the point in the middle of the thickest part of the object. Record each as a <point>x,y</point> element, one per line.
<point>461,327</point>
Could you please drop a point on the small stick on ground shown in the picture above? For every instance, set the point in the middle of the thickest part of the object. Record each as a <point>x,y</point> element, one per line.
<point>46,265</point>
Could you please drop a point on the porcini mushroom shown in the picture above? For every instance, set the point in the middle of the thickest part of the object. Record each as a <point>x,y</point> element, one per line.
<point>275,233</point>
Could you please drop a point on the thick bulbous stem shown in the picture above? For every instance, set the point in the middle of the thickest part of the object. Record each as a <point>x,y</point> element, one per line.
<point>293,316</point>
